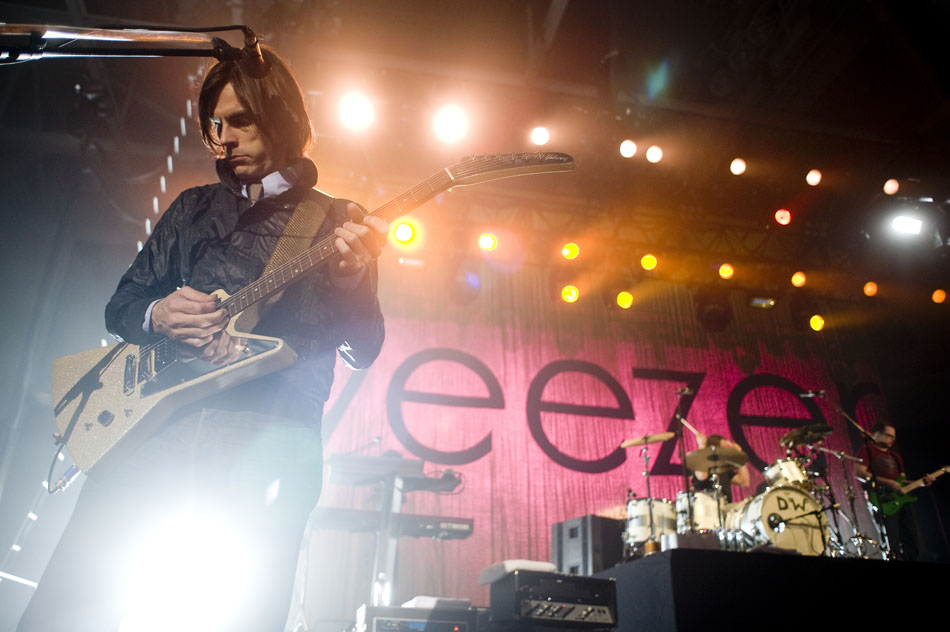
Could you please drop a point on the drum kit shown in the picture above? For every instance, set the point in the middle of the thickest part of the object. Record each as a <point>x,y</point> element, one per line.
<point>791,513</point>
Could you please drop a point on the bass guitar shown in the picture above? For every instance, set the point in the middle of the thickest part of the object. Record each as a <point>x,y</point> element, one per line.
<point>107,401</point>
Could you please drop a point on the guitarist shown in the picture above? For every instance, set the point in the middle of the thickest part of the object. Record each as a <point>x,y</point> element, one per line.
<point>880,461</point>
<point>250,455</point>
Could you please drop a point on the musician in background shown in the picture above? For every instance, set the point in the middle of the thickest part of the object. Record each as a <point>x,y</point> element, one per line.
<point>739,477</point>
<point>880,461</point>
<point>250,455</point>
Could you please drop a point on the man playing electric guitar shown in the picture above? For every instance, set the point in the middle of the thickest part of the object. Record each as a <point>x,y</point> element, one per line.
<point>248,455</point>
<point>882,462</point>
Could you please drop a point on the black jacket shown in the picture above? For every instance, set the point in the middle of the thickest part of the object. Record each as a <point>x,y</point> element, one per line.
<point>211,237</point>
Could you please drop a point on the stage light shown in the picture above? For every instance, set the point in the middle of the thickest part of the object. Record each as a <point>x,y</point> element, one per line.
<point>188,575</point>
<point>870,288</point>
<point>813,177</point>
<point>799,279</point>
<point>713,309</point>
<point>570,251</point>
<point>906,225</point>
<point>624,299</point>
<point>570,293</point>
<point>465,283</point>
<point>356,111</point>
<point>450,124</point>
<point>407,234</point>
<point>628,149</point>
<point>761,302</point>
<point>726,271</point>
<point>540,135</point>
<point>938,296</point>
<point>783,216</point>
<point>891,187</point>
<point>487,241</point>
<point>403,232</point>
<point>737,167</point>
<point>648,262</point>
<point>654,154</point>
<point>816,322</point>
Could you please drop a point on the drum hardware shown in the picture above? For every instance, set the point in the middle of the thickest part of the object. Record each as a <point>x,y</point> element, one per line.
<point>859,544</point>
<point>651,545</point>
<point>805,435</point>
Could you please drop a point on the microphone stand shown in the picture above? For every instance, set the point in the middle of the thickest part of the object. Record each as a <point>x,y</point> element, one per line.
<point>682,452</point>
<point>29,42</point>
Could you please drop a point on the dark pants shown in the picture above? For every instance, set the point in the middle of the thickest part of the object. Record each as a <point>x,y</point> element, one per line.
<point>259,475</point>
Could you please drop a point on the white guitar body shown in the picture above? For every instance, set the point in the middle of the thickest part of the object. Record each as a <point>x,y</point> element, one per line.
<point>123,392</point>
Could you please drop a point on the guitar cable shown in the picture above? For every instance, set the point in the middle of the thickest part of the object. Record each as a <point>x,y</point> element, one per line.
<point>66,479</point>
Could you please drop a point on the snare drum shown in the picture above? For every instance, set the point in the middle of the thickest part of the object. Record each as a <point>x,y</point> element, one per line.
<point>705,512</point>
<point>775,517</point>
<point>638,519</point>
<point>787,472</point>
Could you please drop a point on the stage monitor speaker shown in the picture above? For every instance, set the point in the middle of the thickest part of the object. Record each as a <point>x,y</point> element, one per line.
<point>587,545</point>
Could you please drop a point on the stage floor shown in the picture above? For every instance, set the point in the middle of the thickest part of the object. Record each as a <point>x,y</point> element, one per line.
<point>685,589</point>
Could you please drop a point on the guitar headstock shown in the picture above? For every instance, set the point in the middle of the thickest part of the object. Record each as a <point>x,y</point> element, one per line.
<point>476,169</point>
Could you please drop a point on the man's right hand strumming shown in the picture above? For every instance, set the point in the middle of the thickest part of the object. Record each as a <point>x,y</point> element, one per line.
<point>196,319</point>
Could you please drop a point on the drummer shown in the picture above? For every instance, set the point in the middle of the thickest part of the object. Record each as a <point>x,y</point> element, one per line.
<point>738,477</point>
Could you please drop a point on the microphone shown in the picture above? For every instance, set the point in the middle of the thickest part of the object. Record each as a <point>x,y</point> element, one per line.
<point>812,394</point>
<point>251,59</point>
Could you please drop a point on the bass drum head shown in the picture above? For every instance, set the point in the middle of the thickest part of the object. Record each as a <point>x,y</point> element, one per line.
<point>783,507</point>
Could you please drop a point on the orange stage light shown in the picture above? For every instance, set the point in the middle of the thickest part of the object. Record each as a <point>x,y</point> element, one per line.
<point>648,262</point>
<point>799,279</point>
<point>870,288</point>
<point>939,296</point>
<point>570,293</point>
<point>816,322</point>
<point>570,250</point>
<point>726,271</point>
<point>624,299</point>
<point>783,216</point>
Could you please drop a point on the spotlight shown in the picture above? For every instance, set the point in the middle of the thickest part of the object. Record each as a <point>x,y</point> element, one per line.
<point>938,296</point>
<point>761,302</point>
<point>870,288</point>
<point>654,154</point>
<point>450,124</point>
<point>891,187</point>
<point>628,149</point>
<point>540,135</point>
<point>816,322</point>
<point>648,262</point>
<point>356,111</point>
<point>737,167</point>
<point>487,241</point>
<point>624,299</point>
<point>813,177</point>
<point>726,271</point>
<point>570,251</point>
<point>799,279</point>
<point>783,216</point>
<point>403,232</point>
<point>465,284</point>
<point>570,294</point>
<point>906,225</point>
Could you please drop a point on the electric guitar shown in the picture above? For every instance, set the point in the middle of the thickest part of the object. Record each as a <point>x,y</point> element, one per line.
<point>107,401</point>
<point>891,501</point>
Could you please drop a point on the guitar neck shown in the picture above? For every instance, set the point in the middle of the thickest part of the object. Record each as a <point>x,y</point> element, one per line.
<point>909,487</point>
<point>320,253</point>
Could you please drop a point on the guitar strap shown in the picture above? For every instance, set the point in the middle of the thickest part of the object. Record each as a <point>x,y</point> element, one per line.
<point>298,236</point>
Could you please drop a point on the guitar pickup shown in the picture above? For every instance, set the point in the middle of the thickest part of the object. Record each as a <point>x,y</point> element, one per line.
<point>128,383</point>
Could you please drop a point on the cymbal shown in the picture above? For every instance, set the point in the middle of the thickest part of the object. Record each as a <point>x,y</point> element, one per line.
<point>713,459</point>
<point>806,434</point>
<point>650,438</point>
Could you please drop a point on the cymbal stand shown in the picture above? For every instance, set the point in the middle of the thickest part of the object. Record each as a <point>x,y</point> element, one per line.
<point>876,514</point>
<point>858,539</point>
<point>651,545</point>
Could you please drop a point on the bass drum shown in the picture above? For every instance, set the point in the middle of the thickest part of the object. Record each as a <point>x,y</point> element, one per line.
<point>775,518</point>
<point>638,519</point>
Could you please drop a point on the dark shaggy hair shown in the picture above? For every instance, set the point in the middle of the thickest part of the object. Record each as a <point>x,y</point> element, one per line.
<point>275,101</point>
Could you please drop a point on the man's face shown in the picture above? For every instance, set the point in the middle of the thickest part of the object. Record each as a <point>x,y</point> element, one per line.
<point>886,436</point>
<point>243,143</point>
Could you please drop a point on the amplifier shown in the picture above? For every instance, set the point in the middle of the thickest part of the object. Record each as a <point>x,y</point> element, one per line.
<point>399,619</point>
<point>554,599</point>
